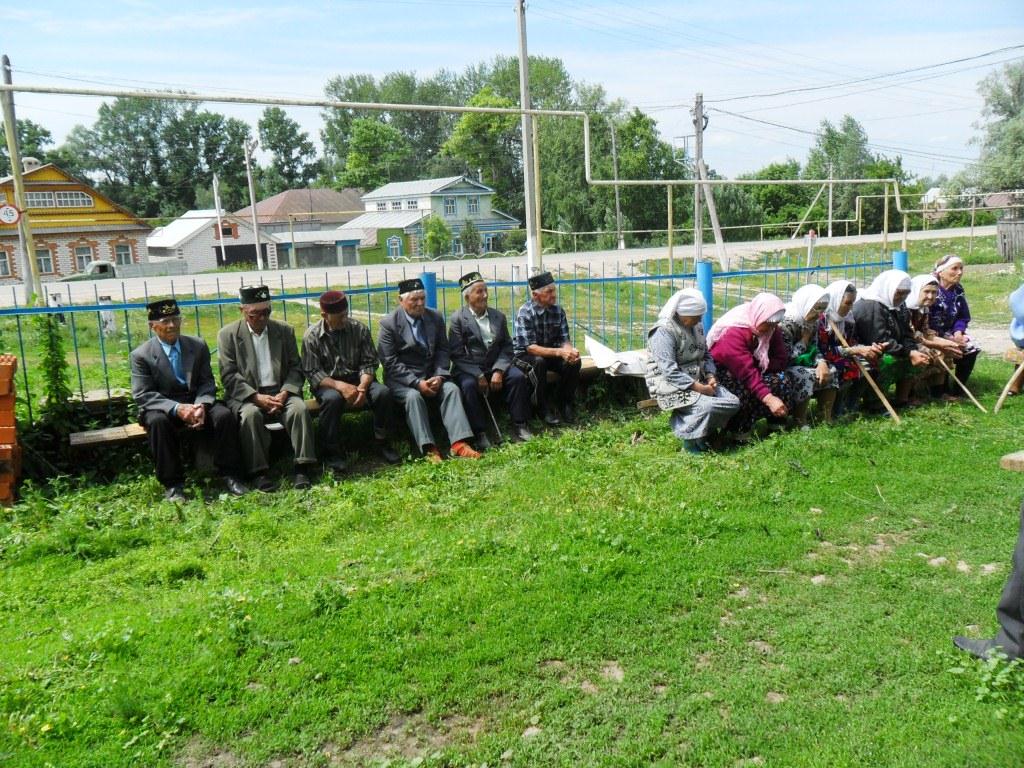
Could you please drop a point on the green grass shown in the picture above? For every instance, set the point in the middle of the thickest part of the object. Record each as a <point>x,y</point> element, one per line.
<point>616,601</point>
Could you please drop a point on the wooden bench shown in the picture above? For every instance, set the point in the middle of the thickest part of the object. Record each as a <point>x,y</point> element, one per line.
<point>129,433</point>
<point>1014,355</point>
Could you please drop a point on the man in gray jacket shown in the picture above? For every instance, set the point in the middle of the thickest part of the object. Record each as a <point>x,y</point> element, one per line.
<point>174,389</point>
<point>481,349</point>
<point>262,378</point>
<point>413,349</point>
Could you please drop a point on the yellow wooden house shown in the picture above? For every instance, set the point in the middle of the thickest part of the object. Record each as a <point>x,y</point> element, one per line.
<point>71,223</point>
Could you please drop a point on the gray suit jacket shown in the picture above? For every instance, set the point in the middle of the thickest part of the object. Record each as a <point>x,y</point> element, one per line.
<point>469,353</point>
<point>154,387</point>
<point>405,361</point>
<point>237,355</point>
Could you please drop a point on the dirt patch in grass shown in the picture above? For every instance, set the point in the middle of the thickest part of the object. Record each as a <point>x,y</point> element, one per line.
<point>199,754</point>
<point>406,737</point>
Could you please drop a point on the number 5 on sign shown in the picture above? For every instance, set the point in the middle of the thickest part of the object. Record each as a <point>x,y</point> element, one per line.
<point>9,214</point>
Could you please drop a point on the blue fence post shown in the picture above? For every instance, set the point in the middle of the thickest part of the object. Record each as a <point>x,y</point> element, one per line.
<point>430,286</point>
<point>901,260</point>
<point>705,277</point>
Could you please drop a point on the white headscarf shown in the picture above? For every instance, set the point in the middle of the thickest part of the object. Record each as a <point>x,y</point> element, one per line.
<point>836,292</point>
<point>916,286</point>
<point>803,302</point>
<point>883,288</point>
<point>689,302</point>
<point>947,261</point>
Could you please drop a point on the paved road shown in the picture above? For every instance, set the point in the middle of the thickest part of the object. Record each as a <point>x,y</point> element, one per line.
<point>607,263</point>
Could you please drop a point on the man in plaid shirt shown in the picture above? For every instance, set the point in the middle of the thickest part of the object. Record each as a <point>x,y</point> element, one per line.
<point>542,342</point>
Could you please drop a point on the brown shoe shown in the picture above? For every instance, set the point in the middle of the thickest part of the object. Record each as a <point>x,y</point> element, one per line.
<point>431,454</point>
<point>463,450</point>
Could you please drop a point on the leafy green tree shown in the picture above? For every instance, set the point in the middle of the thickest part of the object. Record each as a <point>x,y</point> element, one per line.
<point>293,156</point>
<point>374,150</point>
<point>33,140</point>
<point>1001,165</point>
<point>437,236</point>
<point>781,203</point>
<point>845,147</point>
<point>470,237</point>
<point>338,122</point>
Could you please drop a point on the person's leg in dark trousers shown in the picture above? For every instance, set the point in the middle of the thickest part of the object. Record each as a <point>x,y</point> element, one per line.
<point>540,369</point>
<point>472,401</point>
<point>162,433</point>
<point>517,395</point>
<point>222,425</point>
<point>379,399</point>
<point>963,368</point>
<point>328,432</point>
<point>568,381</point>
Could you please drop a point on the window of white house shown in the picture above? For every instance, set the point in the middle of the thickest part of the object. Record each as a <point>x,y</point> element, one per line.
<point>5,264</point>
<point>74,199</point>
<point>473,203</point>
<point>39,199</point>
<point>226,230</point>
<point>396,205</point>
<point>122,254</point>
<point>382,206</point>
<point>394,247</point>
<point>83,255</point>
<point>45,261</point>
<point>456,246</point>
<point>449,206</point>
<point>412,205</point>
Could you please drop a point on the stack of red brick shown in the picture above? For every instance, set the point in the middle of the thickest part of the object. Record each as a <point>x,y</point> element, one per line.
<point>10,451</point>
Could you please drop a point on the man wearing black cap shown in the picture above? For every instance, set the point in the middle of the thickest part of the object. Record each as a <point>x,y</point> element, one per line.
<point>542,342</point>
<point>174,389</point>
<point>262,378</point>
<point>482,361</point>
<point>414,350</point>
<point>340,362</point>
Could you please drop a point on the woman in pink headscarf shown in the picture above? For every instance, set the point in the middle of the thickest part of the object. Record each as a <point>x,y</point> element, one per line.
<point>753,358</point>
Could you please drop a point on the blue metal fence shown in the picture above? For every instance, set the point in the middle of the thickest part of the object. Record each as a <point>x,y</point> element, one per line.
<point>617,309</point>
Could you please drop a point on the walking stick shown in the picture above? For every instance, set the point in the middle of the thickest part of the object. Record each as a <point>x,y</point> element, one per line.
<point>494,421</point>
<point>864,373</point>
<point>1006,389</point>
<point>962,385</point>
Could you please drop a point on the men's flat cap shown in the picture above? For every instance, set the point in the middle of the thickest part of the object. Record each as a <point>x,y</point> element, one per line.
<point>333,302</point>
<point>410,285</point>
<point>539,281</point>
<point>162,308</point>
<point>468,279</point>
<point>254,294</point>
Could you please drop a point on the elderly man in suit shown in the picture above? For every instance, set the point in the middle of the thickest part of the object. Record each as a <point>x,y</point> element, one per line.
<point>174,389</point>
<point>481,350</point>
<point>413,348</point>
<point>262,378</point>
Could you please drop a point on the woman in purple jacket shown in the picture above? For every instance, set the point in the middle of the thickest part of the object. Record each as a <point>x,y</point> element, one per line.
<point>949,317</point>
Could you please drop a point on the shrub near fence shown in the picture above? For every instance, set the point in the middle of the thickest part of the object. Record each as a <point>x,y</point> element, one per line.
<point>613,305</point>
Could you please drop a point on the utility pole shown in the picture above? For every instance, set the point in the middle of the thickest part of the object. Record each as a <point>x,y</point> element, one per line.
<point>30,268</point>
<point>615,176</point>
<point>250,145</point>
<point>830,201</point>
<point>533,258</point>
<point>699,123</point>
<point>220,223</point>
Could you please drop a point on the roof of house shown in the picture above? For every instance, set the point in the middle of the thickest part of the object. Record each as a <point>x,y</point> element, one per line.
<point>182,229</point>
<point>322,236</point>
<point>388,219</point>
<point>326,205</point>
<point>421,187</point>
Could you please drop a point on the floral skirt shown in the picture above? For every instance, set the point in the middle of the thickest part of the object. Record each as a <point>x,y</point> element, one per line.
<point>792,386</point>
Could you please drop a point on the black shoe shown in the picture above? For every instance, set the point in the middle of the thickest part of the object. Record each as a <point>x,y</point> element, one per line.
<point>979,648</point>
<point>264,484</point>
<point>482,443</point>
<point>235,486</point>
<point>551,418</point>
<point>337,465</point>
<point>300,481</point>
<point>389,454</point>
<point>569,413</point>
<point>521,433</point>
<point>175,494</point>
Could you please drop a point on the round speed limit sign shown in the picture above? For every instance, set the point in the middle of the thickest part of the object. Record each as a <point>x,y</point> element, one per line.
<point>9,214</point>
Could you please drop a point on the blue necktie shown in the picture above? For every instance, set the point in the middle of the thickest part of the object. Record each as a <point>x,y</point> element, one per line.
<point>175,358</point>
<point>417,334</point>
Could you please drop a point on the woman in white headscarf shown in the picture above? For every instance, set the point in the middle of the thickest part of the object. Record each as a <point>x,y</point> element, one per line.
<point>950,316</point>
<point>840,354</point>
<point>881,317</point>
<point>681,373</point>
<point>924,292</point>
<point>799,330</point>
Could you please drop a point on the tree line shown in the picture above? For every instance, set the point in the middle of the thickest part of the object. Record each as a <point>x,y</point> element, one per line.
<point>158,157</point>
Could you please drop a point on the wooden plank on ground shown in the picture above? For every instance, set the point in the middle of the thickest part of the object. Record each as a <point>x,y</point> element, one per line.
<point>107,436</point>
<point>643,405</point>
<point>1013,461</point>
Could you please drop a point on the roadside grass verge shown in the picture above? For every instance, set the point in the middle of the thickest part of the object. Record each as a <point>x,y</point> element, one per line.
<point>590,598</point>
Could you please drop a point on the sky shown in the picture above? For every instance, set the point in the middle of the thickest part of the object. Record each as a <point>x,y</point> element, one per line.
<point>653,55</point>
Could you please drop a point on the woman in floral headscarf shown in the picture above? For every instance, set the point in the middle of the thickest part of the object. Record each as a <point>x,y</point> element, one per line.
<point>841,295</point>
<point>753,362</point>
<point>681,373</point>
<point>924,292</point>
<point>800,332</point>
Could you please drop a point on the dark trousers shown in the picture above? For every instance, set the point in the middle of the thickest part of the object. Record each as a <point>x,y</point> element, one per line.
<point>568,379</point>
<point>165,431</point>
<point>963,368</point>
<point>1011,605</point>
<point>515,390</point>
<point>333,405</point>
